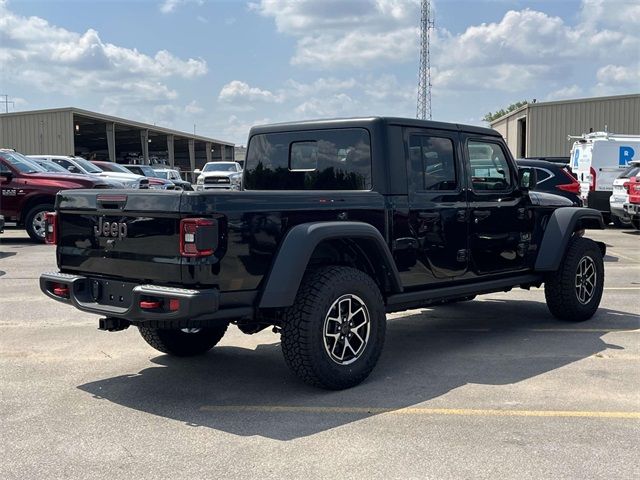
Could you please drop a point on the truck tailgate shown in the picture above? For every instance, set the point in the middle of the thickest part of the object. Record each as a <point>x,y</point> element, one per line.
<point>128,234</point>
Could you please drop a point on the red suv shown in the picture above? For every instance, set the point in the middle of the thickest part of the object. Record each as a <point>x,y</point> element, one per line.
<point>633,207</point>
<point>27,191</point>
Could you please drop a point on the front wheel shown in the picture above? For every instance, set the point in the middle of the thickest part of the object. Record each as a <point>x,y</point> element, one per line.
<point>574,291</point>
<point>185,342</point>
<point>34,221</point>
<point>333,335</point>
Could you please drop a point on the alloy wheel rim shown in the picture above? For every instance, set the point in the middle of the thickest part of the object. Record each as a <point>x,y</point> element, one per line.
<point>346,329</point>
<point>586,277</point>
<point>38,223</point>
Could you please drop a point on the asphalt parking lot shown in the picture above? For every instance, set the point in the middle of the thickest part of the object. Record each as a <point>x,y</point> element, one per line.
<point>493,388</point>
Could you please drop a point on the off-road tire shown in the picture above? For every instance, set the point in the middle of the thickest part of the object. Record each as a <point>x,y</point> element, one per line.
<point>560,286</point>
<point>180,343</point>
<point>28,220</point>
<point>303,339</point>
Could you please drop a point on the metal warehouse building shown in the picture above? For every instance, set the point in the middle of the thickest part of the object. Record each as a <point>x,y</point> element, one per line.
<point>541,129</point>
<point>72,131</point>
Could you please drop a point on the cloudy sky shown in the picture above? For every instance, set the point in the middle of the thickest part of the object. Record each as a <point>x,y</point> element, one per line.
<point>227,65</point>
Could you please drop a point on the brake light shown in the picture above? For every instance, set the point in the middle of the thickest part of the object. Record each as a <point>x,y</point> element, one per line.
<point>625,185</point>
<point>573,187</point>
<point>198,237</point>
<point>592,184</point>
<point>51,228</point>
<point>150,305</point>
<point>636,187</point>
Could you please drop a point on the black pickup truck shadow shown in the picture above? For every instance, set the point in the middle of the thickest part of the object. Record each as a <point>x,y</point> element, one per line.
<point>426,355</point>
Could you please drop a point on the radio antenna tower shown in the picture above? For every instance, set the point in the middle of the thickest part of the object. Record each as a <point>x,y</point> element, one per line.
<point>423,110</point>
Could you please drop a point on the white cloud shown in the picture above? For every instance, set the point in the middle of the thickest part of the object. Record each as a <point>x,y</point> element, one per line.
<point>620,75</point>
<point>338,33</point>
<point>193,108</point>
<point>170,6</point>
<point>57,60</point>
<point>573,91</point>
<point>241,91</point>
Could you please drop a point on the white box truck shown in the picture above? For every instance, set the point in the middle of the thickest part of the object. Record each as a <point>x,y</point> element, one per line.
<point>597,159</point>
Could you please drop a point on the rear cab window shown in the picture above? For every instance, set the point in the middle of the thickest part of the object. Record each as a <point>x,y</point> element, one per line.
<point>333,159</point>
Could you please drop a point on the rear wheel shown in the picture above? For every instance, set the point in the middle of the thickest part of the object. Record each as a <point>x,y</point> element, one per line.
<point>621,222</point>
<point>185,342</point>
<point>34,222</point>
<point>574,291</point>
<point>333,335</point>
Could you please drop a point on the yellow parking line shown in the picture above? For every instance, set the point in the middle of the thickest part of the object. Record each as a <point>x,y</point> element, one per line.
<point>417,411</point>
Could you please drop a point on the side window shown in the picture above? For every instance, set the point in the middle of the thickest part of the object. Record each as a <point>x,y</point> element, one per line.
<point>4,168</point>
<point>489,166</point>
<point>64,163</point>
<point>543,175</point>
<point>432,162</point>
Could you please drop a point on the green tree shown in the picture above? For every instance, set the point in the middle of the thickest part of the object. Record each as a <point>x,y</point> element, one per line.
<point>491,116</point>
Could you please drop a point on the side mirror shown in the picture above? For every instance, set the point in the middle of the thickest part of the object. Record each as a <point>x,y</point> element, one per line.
<point>6,177</point>
<point>197,171</point>
<point>527,178</point>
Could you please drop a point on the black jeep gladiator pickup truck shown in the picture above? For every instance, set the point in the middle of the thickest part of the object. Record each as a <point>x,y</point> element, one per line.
<point>338,223</point>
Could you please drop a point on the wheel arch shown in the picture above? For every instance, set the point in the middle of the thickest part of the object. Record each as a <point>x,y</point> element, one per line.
<point>33,200</point>
<point>562,224</point>
<point>349,243</point>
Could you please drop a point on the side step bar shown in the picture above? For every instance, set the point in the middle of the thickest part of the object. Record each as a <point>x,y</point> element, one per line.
<point>405,301</point>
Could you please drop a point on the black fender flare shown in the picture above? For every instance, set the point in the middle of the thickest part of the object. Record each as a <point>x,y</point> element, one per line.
<point>562,223</point>
<point>282,282</point>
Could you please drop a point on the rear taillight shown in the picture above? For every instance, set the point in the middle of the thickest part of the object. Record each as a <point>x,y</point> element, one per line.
<point>625,185</point>
<point>636,188</point>
<point>51,228</point>
<point>198,237</point>
<point>573,186</point>
<point>592,183</point>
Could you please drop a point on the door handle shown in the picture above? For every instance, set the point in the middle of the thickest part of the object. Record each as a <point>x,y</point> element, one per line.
<point>429,216</point>
<point>481,214</point>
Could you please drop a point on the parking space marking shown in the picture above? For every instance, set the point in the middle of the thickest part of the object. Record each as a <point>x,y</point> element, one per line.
<point>417,411</point>
<point>616,254</point>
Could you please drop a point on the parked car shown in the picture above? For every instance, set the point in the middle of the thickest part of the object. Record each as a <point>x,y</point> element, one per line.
<point>154,183</point>
<point>27,191</point>
<point>556,178</point>
<point>597,159</point>
<point>632,207</point>
<point>53,167</point>
<point>620,195</point>
<point>174,176</point>
<point>151,174</point>
<point>217,175</point>
<point>82,166</point>
<point>356,218</point>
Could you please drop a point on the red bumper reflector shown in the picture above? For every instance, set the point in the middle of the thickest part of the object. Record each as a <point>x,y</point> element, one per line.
<point>145,305</point>
<point>174,304</point>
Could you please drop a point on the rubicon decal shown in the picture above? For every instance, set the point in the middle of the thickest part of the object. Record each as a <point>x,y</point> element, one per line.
<point>110,229</point>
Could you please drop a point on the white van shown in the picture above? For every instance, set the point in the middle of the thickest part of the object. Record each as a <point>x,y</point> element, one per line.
<point>597,159</point>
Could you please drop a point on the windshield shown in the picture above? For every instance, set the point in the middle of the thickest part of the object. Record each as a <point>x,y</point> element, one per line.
<point>632,171</point>
<point>164,175</point>
<point>114,167</point>
<point>220,167</point>
<point>147,171</point>
<point>51,167</point>
<point>87,165</point>
<point>22,163</point>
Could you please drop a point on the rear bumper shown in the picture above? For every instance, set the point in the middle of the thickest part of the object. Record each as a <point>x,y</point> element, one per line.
<point>122,300</point>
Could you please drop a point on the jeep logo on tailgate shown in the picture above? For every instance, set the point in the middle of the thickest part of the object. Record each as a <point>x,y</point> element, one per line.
<point>110,229</point>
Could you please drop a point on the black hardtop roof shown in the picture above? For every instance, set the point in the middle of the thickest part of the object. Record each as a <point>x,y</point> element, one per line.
<point>366,122</point>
